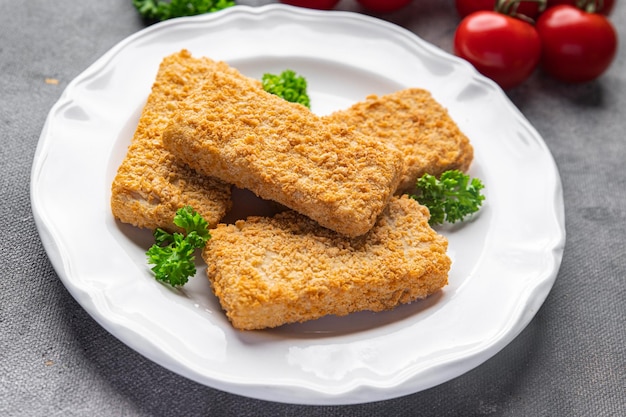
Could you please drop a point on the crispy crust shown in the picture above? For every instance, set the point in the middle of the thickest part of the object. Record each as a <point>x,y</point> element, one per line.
<point>151,184</point>
<point>416,124</point>
<point>281,151</point>
<point>271,271</point>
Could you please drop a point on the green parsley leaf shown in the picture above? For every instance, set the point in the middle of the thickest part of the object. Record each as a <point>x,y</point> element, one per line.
<point>288,85</point>
<point>174,263</point>
<point>193,224</point>
<point>450,198</point>
<point>173,253</point>
<point>163,10</point>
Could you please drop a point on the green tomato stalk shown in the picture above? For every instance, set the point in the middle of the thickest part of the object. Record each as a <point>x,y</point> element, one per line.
<point>509,8</point>
<point>590,6</point>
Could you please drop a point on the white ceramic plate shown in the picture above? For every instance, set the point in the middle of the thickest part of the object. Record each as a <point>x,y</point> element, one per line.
<point>505,260</point>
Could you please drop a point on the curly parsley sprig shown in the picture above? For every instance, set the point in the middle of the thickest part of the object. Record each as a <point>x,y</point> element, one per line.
<point>288,85</point>
<point>450,198</point>
<point>173,254</point>
<point>163,10</point>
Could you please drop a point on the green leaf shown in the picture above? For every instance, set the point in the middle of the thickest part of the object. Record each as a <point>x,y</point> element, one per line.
<point>163,10</point>
<point>287,85</point>
<point>173,254</point>
<point>174,263</point>
<point>450,198</point>
<point>162,237</point>
<point>191,221</point>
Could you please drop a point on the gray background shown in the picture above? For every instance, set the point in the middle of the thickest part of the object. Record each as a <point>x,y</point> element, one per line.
<point>55,360</point>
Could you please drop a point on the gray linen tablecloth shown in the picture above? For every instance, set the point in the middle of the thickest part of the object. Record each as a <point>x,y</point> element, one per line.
<point>55,360</point>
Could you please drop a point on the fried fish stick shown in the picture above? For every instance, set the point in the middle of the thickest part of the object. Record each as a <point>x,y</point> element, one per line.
<point>282,152</point>
<point>151,184</point>
<point>413,121</point>
<point>267,272</point>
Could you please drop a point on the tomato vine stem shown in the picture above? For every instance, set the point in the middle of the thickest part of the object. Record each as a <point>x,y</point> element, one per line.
<point>509,8</point>
<point>590,6</point>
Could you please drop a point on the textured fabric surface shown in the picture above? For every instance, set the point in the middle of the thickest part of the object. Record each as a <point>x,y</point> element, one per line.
<point>55,360</point>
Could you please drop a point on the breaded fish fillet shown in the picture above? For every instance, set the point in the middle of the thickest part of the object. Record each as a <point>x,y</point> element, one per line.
<point>281,151</point>
<point>413,121</point>
<point>151,184</point>
<point>271,271</point>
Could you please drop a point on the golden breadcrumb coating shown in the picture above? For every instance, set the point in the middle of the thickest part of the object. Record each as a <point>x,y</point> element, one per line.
<point>267,272</point>
<point>282,152</point>
<point>416,124</point>
<point>151,184</point>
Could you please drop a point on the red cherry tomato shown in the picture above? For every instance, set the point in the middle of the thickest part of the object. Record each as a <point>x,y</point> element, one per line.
<point>604,7</point>
<point>467,7</point>
<point>313,4</point>
<point>577,46</point>
<point>383,6</point>
<point>501,47</point>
